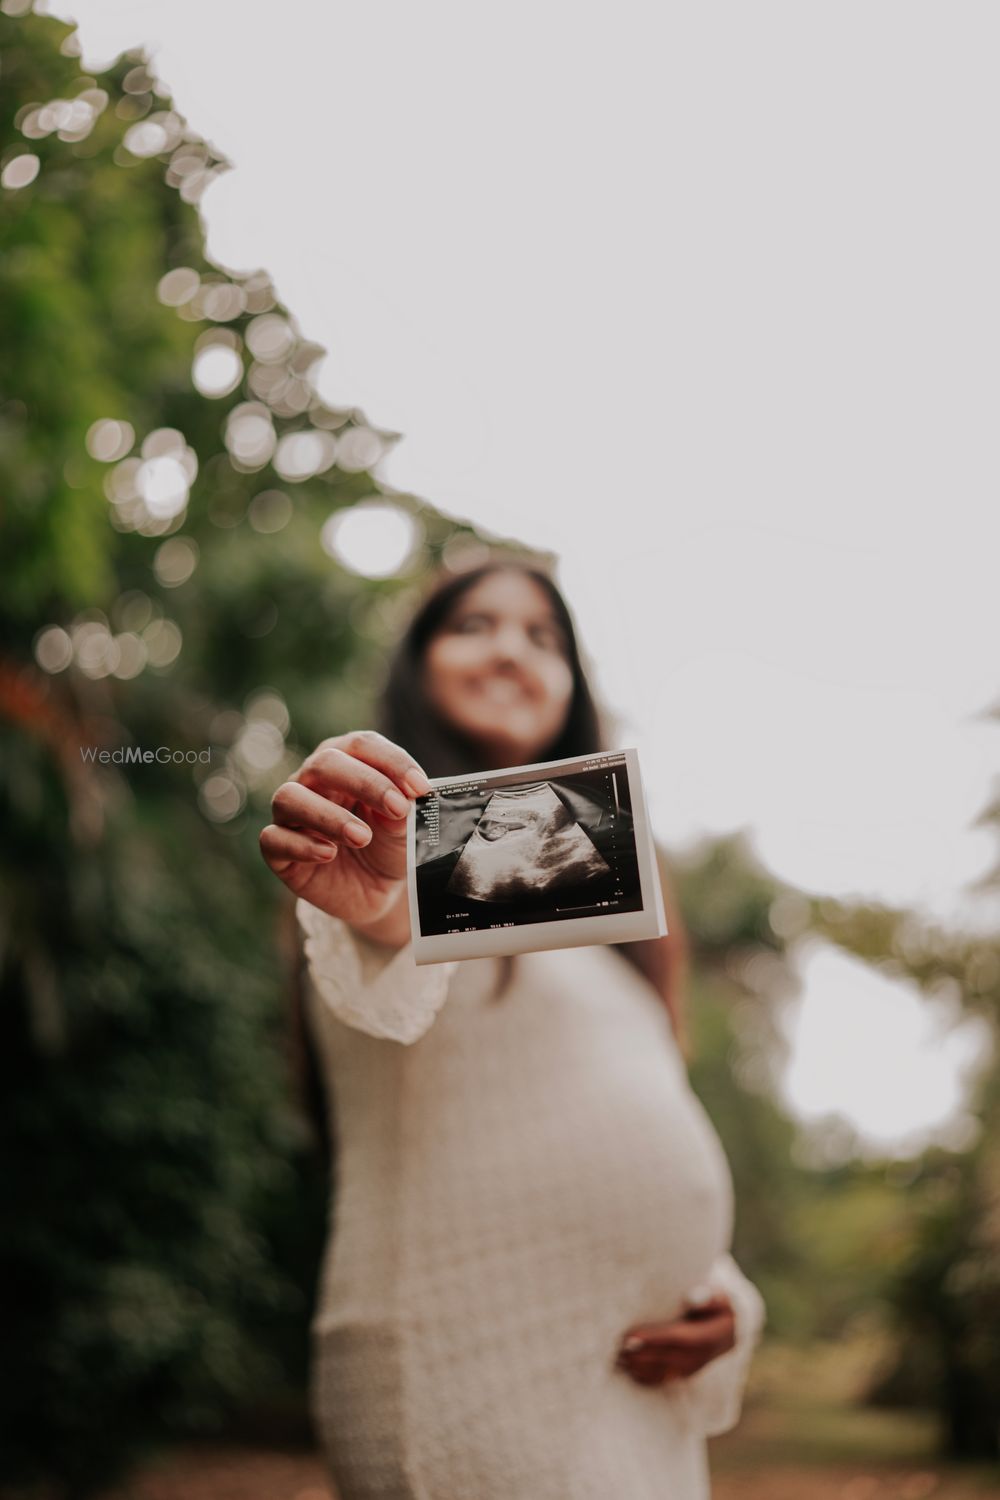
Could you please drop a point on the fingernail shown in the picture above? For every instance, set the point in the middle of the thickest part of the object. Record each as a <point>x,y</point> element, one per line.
<point>358,833</point>
<point>632,1345</point>
<point>396,803</point>
<point>417,782</point>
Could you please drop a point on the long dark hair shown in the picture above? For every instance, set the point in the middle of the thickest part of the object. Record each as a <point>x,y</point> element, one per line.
<point>405,716</point>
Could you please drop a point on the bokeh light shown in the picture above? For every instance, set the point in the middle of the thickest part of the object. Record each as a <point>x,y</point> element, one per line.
<point>258,757</point>
<point>162,640</point>
<point>300,455</point>
<point>221,798</point>
<point>268,705</point>
<point>119,483</point>
<point>132,655</point>
<point>259,746</point>
<point>132,610</point>
<point>158,133</point>
<point>789,915</point>
<point>194,184</point>
<point>374,539</point>
<point>53,649</point>
<point>164,478</point>
<point>250,436</point>
<point>359,448</point>
<point>162,484</point>
<point>108,440</point>
<point>138,80</point>
<point>217,370</point>
<point>269,338</point>
<point>269,511</point>
<point>259,292</point>
<point>95,649</point>
<point>175,561</point>
<point>220,300</point>
<point>20,171</point>
<point>285,392</point>
<point>149,494</point>
<point>70,119</point>
<point>178,286</point>
<point>190,157</point>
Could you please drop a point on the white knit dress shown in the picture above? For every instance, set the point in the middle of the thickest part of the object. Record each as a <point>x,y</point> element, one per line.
<point>519,1180</point>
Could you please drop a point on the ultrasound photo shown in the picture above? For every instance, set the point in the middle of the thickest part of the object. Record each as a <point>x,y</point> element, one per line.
<point>518,859</point>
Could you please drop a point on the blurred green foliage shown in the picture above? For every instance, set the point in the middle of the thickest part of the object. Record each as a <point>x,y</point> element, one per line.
<point>942,1283</point>
<point>166,1204</point>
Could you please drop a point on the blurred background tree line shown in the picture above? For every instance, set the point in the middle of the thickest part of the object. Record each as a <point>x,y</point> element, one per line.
<point>172,489</point>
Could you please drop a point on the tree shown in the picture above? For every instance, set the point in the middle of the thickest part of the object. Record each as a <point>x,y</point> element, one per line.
<point>944,1291</point>
<point>166,469</point>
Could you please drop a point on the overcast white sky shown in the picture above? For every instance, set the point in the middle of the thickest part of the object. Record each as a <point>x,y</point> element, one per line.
<point>705,298</point>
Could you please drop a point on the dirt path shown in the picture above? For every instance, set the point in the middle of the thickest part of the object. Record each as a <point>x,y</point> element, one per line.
<point>247,1474</point>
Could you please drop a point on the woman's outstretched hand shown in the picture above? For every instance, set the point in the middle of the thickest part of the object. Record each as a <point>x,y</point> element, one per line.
<point>655,1352</point>
<point>338,838</point>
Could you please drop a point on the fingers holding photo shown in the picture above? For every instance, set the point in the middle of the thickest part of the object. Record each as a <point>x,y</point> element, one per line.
<point>296,807</point>
<point>368,768</point>
<point>284,848</point>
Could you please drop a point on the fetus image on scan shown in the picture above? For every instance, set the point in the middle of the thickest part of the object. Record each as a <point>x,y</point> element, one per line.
<point>525,843</point>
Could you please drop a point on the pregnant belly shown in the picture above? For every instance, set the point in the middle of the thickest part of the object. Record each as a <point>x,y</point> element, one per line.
<point>591,1160</point>
<point>630,1182</point>
<point>548,1143</point>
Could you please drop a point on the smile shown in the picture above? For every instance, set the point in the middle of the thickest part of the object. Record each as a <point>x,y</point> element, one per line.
<point>502,690</point>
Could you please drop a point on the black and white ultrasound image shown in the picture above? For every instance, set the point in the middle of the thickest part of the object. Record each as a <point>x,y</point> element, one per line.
<point>501,854</point>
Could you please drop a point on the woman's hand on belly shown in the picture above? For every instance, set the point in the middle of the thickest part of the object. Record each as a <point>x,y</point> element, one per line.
<point>654,1352</point>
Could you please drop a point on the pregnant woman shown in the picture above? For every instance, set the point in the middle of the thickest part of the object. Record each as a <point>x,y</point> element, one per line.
<point>527,1292</point>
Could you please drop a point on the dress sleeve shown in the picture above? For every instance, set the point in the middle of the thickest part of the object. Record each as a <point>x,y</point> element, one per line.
<point>366,985</point>
<point>713,1397</point>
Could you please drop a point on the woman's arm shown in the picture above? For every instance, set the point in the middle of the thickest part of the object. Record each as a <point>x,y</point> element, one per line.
<point>713,1397</point>
<point>369,984</point>
<point>702,1358</point>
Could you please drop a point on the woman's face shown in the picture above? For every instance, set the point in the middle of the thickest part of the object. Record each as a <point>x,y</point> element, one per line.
<point>497,670</point>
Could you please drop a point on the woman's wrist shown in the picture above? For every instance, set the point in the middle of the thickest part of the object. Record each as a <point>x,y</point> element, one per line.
<point>392,929</point>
